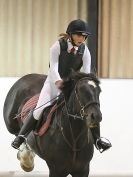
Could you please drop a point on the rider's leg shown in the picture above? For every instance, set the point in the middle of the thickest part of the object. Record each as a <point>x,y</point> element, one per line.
<point>48,92</point>
<point>28,126</point>
<point>45,96</point>
<point>100,144</point>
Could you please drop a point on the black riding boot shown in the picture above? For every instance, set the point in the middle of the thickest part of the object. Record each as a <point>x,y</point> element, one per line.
<point>27,127</point>
<point>100,144</point>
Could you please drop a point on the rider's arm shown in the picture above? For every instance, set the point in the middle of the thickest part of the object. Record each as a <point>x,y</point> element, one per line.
<point>86,61</point>
<point>54,64</point>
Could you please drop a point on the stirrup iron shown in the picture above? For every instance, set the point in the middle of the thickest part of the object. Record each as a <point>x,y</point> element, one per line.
<point>104,140</point>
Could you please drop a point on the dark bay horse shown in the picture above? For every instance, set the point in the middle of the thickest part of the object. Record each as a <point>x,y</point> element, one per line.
<point>67,146</point>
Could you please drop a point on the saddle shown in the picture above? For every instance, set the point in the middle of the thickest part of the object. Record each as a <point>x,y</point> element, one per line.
<point>45,121</point>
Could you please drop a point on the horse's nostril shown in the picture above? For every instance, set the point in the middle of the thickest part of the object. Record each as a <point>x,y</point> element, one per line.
<point>96,118</point>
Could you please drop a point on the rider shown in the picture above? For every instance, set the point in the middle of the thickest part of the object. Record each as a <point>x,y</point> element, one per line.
<point>68,52</point>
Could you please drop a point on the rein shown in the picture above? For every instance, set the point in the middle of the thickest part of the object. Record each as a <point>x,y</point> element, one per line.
<point>72,145</point>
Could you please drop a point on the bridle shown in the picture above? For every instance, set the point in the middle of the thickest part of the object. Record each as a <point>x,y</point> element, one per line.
<point>82,114</point>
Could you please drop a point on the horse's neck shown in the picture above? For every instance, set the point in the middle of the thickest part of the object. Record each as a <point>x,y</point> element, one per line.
<point>72,107</point>
<point>78,126</point>
<point>73,104</point>
<point>75,131</point>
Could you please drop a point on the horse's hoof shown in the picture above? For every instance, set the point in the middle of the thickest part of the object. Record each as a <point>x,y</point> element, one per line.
<point>26,168</point>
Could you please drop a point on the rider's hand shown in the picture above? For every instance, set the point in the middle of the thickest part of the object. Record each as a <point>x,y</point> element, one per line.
<point>59,84</point>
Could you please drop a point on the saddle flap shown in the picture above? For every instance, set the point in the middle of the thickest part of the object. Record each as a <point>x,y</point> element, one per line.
<point>43,123</point>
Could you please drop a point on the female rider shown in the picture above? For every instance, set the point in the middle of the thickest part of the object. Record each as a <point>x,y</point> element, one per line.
<point>68,52</point>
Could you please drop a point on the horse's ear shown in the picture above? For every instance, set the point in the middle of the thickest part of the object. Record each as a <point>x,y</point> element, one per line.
<point>70,77</point>
<point>72,72</point>
<point>68,85</point>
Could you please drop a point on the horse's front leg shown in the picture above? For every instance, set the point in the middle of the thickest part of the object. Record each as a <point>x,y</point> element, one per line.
<point>56,174</point>
<point>81,175</point>
<point>84,173</point>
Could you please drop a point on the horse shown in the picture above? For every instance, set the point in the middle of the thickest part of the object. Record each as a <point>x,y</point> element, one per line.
<point>68,145</point>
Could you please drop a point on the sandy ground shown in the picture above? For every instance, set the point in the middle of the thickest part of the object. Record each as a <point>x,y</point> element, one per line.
<point>38,174</point>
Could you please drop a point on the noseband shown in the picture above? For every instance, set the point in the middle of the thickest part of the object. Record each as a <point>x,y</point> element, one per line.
<point>82,112</point>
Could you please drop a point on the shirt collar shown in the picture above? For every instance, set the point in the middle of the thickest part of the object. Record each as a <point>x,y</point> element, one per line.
<point>70,46</point>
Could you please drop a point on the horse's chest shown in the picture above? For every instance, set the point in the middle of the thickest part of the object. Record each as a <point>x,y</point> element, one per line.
<point>75,160</point>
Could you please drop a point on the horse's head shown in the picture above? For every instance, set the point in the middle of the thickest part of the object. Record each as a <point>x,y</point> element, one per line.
<point>82,94</point>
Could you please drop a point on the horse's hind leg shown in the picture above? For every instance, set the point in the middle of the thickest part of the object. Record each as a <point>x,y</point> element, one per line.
<point>12,125</point>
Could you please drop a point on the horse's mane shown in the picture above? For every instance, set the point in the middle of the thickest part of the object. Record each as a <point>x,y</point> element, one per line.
<point>73,78</point>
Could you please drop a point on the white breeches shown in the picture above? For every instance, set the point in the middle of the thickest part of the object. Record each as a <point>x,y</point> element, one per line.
<point>48,92</point>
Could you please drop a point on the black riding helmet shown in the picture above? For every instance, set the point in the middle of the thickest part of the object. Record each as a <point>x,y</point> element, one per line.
<point>78,27</point>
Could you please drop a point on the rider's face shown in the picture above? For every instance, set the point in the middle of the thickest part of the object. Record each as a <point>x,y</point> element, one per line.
<point>78,39</point>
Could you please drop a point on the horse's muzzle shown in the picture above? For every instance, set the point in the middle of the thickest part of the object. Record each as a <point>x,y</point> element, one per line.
<point>94,117</point>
